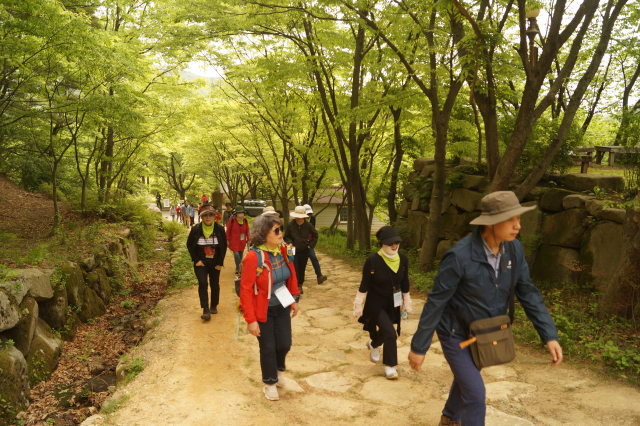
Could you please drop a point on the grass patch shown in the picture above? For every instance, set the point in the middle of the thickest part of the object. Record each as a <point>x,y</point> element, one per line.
<point>181,274</point>
<point>610,342</point>
<point>113,404</point>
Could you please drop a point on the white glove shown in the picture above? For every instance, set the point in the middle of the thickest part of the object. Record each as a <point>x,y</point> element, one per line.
<point>406,303</point>
<point>357,304</point>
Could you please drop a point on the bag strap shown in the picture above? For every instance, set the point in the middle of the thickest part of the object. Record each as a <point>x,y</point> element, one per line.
<point>512,291</point>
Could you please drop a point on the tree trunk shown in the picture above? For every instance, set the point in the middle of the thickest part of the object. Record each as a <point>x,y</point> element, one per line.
<point>56,211</point>
<point>397,162</point>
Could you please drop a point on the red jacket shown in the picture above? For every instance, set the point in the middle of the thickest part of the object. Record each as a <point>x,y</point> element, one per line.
<point>234,231</point>
<point>254,307</point>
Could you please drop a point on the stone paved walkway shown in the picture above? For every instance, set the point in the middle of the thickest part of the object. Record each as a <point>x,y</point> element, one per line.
<point>197,374</point>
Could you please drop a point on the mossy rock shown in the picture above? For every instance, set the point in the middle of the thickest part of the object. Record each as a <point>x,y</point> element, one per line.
<point>22,334</point>
<point>601,252</point>
<point>553,264</point>
<point>92,307</point>
<point>565,229</point>
<point>74,283</point>
<point>44,355</point>
<point>552,199</point>
<point>98,281</point>
<point>9,310</point>
<point>14,385</point>
<point>54,310</point>
<point>68,333</point>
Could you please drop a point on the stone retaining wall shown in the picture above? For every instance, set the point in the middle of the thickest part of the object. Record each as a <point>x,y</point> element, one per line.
<point>33,302</point>
<point>571,236</point>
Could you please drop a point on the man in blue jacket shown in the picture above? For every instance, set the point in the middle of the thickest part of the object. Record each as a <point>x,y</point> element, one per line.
<point>474,279</point>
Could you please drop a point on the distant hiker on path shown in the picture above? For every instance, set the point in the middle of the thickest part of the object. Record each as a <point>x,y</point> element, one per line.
<point>385,282</point>
<point>172,212</point>
<point>297,233</point>
<point>474,283</point>
<point>159,200</point>
<point>192,215</point>
<point>185,213</point>
<point>268,271</point>
<point>228,212</point>
<point>179,213</point>
<point>312,252</point>
<point>207,246</point>
<point>204,198</point>
<point>238,236</point>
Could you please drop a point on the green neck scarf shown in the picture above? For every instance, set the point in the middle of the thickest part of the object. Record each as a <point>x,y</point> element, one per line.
<point>275,251</point>
<point>394,263</point>
<point>207,230</point>
<point>240,221</point>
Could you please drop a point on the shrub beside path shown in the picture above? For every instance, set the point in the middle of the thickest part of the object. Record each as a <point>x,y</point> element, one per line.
<point>197,374</point>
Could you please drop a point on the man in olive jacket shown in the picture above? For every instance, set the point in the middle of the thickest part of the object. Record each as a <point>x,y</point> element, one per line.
<point>297,233</point>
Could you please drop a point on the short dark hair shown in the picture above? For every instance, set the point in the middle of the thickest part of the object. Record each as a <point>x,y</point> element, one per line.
<point>227,204</point>
<point>261,227</point>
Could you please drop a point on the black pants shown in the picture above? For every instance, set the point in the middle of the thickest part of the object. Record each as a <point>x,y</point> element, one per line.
<point>202,272</point>
<point>386,336</point>
<point>275,342</point>
<point>300,263</point>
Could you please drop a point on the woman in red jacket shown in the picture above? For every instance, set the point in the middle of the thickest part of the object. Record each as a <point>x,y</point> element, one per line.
<point>269,299</point>
<point>238,235</point>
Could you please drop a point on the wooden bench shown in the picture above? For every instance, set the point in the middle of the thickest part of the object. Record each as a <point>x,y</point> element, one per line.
<point>583,161</point>
<point>612,150</point>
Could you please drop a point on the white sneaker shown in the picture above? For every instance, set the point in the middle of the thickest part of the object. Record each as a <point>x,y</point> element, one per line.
<point>374,356</point>
<point>271,392</point>
<point>390,373</point>
<point>281,382</point>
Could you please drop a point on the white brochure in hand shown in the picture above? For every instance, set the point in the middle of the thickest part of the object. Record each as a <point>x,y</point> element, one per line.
<point>284,296</point>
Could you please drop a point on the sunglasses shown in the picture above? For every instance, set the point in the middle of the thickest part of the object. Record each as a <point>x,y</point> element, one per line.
<point>276,231</point>
<point>207,215</point>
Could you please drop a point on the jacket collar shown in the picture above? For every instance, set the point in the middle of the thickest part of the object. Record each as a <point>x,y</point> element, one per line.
<point>477,247</point>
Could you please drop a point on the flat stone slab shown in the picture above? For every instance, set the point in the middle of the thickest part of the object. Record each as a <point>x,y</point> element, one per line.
<point>332,356</point>
<point>304,364</point>
<point>399,393</point>
<point>291,385</point>
<point>498,418</point>
<point>300,321</point>
<point>332,381</point>
<point>613,401</point>
<point>328,406</point>
<point>503,391</point>
<point>322,312</point>
<point>333,321</point>
<point>499,372</point>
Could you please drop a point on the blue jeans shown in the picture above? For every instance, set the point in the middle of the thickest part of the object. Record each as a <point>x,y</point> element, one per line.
<point>237,257</point>
<point>275,342</point>
<point>315,263</point>
<point>466,403</point>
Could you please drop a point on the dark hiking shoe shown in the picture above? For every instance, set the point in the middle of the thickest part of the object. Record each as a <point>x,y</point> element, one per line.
<point>446,421</point>
<point>213,310</point>
<point>300,288</point>
<point>321,279</point>
<point>206,315</point>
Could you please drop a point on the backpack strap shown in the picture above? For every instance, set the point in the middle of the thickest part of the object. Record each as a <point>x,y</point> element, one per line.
<point>262,264</point>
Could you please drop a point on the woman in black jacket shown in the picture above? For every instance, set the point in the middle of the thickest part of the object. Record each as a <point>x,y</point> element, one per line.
<point>207,244</point>
<point>385,277</point>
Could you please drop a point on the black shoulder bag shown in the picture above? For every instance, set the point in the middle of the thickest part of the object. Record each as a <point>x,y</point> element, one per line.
<point>491,339</point>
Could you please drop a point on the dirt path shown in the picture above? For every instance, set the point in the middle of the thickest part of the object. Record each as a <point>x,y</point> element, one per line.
<point>197,374</point>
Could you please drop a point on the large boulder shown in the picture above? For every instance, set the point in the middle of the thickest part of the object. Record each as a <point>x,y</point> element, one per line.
<point>415,203</point>
<point>22,333</point>
<point>427,171</point>
<point>575,201</point>
<point>44,355</point>
<point>14,385</point>
<point>68,333</point>
<point>443,247</point>
<point>601,251</point>
<point>531,232</point>
<point>535,194</point>
<point>408,189</point>
<point>466,199</point>
<point>99,282</point>
<point>412,176</point>
<point>479,183</point>
<point>30,281</point>
<point>565,228</point>
<point>595,207</point>
<point>553,264</point>
<point>615,215</point>
<point>552,199</point>
<point>456,226</point>
<point>420,163</point>
<point>88,264</point>
<point>9,310</point>
<point>584,182</point>
<point>417,224</point>
<point>404,209</point>
<point>73,282</point>
<point>92,306</point>
<point>54,311</point>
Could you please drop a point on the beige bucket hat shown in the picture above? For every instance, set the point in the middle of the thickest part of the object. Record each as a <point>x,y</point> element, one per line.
<point>498,207</point>
<point>299,212</point>
<point>270,210</point>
